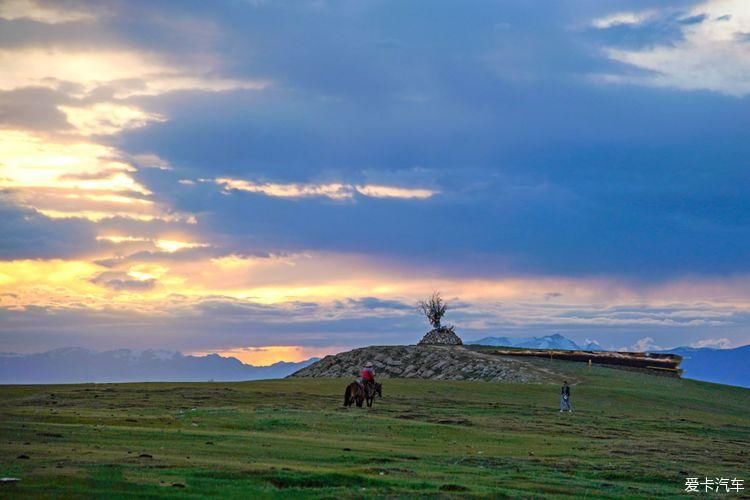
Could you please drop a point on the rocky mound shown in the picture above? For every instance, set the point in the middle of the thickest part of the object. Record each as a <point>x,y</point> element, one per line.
<point>441,336</point>
<point>426,361</point>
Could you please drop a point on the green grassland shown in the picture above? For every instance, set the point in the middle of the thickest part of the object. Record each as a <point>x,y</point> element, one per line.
<point>631,435</point>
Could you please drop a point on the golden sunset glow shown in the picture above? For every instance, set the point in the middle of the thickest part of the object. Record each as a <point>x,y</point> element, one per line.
<point>50,67</point>
<point>280,281</point>
<point>175,246</point>
<point>63,178</point>
<point>122,239</point>
<point>32,161</point>
<point>270,354</point>
<point>166,245</point>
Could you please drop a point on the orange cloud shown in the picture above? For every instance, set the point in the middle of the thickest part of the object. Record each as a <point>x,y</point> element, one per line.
<point>106,118</point>
<point>334,191</point>
<point>326,278</point>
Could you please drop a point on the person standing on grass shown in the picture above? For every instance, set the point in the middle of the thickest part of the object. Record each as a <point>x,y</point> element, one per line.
<point>565,398</point>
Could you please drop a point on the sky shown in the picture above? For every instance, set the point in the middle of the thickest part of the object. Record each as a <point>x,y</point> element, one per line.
<point>275,180</point>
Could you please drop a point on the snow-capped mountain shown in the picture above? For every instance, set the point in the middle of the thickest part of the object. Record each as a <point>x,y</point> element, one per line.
<point>723,366</point>
<point>555,341</point>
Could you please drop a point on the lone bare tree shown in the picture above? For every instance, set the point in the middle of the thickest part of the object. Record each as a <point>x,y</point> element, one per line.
<point>434,309</point>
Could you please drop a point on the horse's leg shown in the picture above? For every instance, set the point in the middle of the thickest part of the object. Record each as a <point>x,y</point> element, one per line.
<point>360,398</point>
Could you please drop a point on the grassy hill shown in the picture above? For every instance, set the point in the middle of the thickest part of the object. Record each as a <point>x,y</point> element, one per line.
<point>631,434</point>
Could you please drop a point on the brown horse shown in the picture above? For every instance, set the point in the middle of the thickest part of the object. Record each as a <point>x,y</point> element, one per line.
<point>371,390</point>
<point>354,393</point>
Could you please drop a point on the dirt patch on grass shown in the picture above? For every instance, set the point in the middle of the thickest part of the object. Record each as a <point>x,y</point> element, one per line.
<point>453,487</point>
<point>387,470</point>
<point>376,460</point>
<point>294,479</point>
<point>413,416</point>
<point>453,421</point>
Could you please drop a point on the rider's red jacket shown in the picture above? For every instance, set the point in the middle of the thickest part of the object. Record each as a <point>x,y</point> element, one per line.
<point>367,374</point>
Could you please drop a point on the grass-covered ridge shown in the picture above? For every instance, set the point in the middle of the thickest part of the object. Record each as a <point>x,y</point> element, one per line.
<point>631,435</point>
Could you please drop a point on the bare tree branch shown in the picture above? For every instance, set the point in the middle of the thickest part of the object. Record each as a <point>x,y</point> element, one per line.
<point>433,308</point>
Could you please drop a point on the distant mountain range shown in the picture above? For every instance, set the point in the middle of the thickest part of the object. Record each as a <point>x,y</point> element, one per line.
<point>722,366</point>
<point>76,365</point>
<point>555,341</point>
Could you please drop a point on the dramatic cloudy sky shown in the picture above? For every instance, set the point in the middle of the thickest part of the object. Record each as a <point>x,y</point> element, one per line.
<point>278,179</point>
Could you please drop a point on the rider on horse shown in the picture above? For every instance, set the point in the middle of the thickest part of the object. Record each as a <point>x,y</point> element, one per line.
<point>367,375</point>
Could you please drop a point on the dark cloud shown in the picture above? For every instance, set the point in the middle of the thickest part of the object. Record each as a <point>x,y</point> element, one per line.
<point>26,234</point>
<point>90,176</point>
<point>33,108</point>
<point>123,282</point>
<point>125,258</point>
<point>376,303</point>
<point>696,19</point>
<point>536,173</point>
<point>232,323</point>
